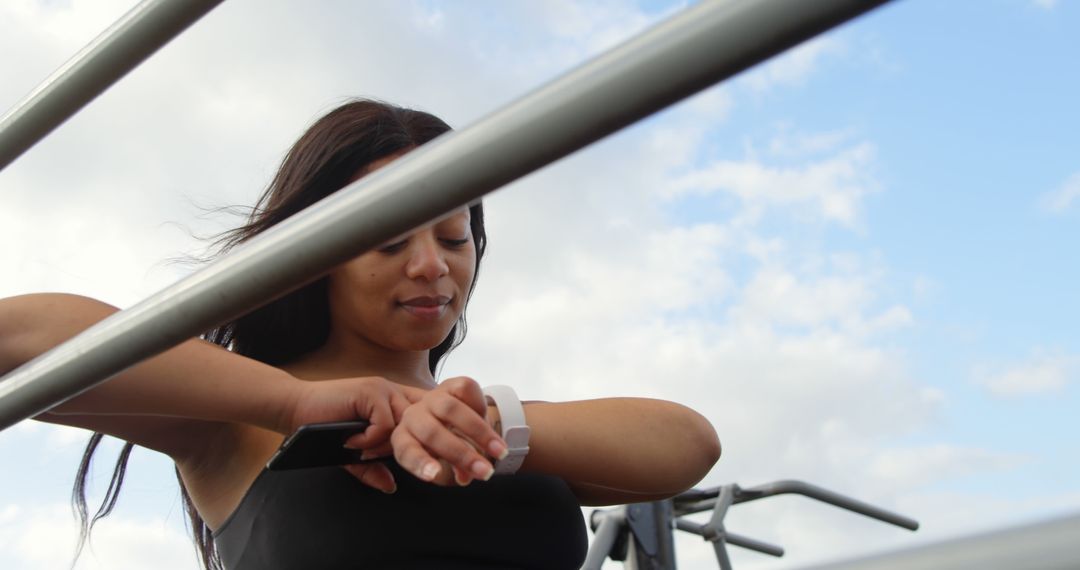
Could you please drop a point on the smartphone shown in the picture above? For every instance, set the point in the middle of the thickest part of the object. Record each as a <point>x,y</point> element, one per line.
<point>318,445</point>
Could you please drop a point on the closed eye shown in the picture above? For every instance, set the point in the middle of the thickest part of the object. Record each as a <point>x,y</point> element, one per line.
<point>456,243</point>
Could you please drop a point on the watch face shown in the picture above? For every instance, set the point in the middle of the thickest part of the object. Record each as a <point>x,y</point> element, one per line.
<point>517,437</point>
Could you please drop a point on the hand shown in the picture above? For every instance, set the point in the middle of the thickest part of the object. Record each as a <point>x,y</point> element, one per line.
<point>446,434</point>
<point>377,400</point>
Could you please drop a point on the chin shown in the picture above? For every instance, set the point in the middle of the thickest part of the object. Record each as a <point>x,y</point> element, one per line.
<point>422,342</point>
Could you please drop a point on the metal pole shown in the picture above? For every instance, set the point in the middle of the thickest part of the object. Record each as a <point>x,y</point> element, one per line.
<point>826,496</point>
<point>111,55</point>
<point>652,545</point>
<point>611,524</point>
<point>703,45</point>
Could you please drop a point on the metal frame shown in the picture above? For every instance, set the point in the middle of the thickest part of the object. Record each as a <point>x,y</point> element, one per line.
<point>1044,545</point>
<point>641,534</point>
<point>677,58</point>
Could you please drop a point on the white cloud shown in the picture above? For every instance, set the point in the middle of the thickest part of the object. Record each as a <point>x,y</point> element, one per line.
<point>794,67</point>
<point>777,296</point>
<point>1062,199</point>
<point>1044,372</point>
<point>799,145</point>
<point>832,187</point>
<point>43,537</point>
<point>9,514</point>
<point>1046,4</point>
<point>916,467</point>
<point>65,437</point>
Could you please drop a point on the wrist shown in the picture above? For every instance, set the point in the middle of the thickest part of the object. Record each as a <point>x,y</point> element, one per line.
<point>494,419</point>
<point>512,427</point>
<point>282,406</point>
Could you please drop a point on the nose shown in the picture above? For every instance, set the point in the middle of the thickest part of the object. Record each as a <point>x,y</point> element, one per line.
<point>426,259</point>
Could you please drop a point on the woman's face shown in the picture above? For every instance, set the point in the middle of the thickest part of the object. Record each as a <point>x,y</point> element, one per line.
<point>406,295</point>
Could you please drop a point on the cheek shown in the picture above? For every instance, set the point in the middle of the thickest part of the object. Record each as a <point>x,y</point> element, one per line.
<point>353,287</point>
<point>465,270</point>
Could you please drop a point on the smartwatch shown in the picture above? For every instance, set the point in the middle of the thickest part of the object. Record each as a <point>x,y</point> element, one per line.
<point>515,432</point>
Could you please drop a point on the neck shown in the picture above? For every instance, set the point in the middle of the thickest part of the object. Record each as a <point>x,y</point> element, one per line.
<point>353,359</point>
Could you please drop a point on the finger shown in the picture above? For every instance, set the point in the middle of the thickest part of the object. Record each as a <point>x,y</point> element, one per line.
<point>399,402</point>
<point>381,424</point>
<point>463,420</point>
<point>384,450</point>
<point>374,475</point>
<point>412,456</point>
<point>441,443</point>
<point>413,395</point>
<point>469,391</point>
<point>446,477</point>
<point>460,477</point>
<point>374,436</point>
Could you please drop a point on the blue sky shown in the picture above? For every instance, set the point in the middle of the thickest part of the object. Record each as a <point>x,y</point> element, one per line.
<point>857,260</point>
<point>969,108</point>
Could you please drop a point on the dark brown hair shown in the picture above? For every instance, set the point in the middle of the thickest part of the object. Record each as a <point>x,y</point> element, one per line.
<point>328,155</point>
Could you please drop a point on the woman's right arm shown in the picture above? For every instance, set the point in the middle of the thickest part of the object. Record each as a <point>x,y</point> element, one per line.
<point>177,402</point>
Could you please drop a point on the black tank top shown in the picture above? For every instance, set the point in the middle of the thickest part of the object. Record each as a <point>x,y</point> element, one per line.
<point>325,519</point>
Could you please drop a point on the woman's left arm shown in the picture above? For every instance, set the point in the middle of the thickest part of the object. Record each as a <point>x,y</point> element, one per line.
<point>620,450</point>
<point>610,451</point>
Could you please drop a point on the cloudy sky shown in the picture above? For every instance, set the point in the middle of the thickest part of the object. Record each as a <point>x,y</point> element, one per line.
<point>858,260</point>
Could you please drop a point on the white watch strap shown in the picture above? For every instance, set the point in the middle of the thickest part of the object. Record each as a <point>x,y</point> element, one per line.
<point>514,429</point>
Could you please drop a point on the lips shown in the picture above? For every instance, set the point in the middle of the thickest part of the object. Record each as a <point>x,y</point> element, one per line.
<point>425,306</point>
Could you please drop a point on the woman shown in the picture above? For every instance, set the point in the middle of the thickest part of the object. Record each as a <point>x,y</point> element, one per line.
<point>364,341</point>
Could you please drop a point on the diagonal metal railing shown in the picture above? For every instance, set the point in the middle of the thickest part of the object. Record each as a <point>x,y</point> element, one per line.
<point>699,47</point>
<point>115,52</point>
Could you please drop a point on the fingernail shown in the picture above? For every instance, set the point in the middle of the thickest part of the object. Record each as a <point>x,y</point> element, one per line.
<point>482,470</point>
<point>461,481</point>
<point>391,490</point>
<point>430,471</point>
<point>498,449</point>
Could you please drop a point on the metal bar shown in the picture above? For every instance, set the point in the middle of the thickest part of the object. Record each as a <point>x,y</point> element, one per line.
<point>118,50</point>
<point>730,537</point>
<point>1049,545</point>
<point>695,507</point>
<point>754,544</point>
<point>716,524</point>
<point>612,523</point>
<point>651,535</point>
<point>701,46</point>
<point>825,496</point>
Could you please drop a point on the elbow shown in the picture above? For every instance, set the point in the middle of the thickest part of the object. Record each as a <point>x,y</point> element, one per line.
<point>709,445</point>
<point>704,449</point>
<point>13,349</point>
<point>695,449</point>
<point>713,450</point>
<point>32,324</point>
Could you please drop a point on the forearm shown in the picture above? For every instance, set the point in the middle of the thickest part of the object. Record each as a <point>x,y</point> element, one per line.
<point>636,447</point>
<point>195,380</point>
